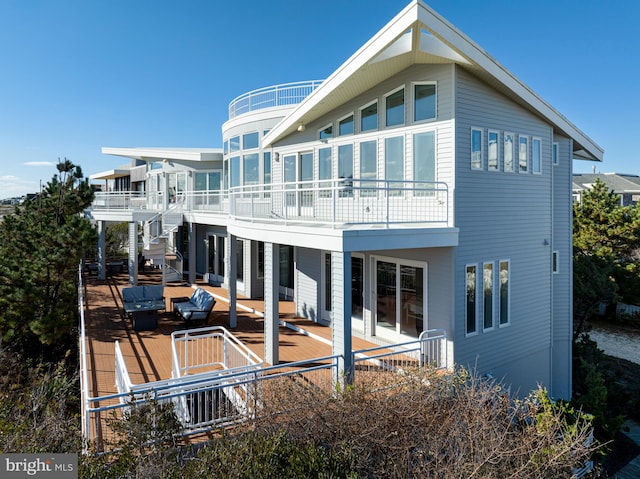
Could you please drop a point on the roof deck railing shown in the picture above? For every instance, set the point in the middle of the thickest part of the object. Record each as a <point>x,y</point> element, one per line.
<point>272,96</point>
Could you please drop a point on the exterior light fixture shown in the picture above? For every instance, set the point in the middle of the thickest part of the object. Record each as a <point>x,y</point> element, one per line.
<point>301,127</point>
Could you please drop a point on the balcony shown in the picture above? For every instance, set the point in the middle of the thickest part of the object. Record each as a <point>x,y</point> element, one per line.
<point>286,94</point>
<point>343,203</point>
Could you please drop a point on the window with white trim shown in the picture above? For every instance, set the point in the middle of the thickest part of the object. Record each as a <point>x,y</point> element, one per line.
<point>424,159</point>
<point>508,143</point>
<point>523,152</point>
<point>424,101</point>
<point>477,160</point>
<point>326,132</point>
<point>487,296</point>
<point>505,297</point>
<point>250,140</point>
<point>368,167</point>
<point>345,126</point>
<point>471,306</point>
<point>536,155</point>
<point>554,153</point>
<point>492,150</point>
<point>394,108</point>
<point>369,117</point>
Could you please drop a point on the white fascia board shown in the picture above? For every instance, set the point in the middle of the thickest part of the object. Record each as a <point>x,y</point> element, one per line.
<point>185,154</point>
<point>388,35</point>
<point>110,174</point>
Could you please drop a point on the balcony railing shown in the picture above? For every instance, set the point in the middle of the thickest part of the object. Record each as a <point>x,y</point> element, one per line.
<point>333,203</point>
<point>343,202</point>
<point>272,96</point>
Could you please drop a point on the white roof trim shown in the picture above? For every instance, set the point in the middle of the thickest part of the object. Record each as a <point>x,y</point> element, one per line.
<point>149,153</point>
<point>391,40</point>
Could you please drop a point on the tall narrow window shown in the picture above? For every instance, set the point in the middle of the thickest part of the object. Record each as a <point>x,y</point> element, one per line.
<point>250,169</point>
<point>290,168</point>
<point>492,150</point>
<point>555,266</point>
<point>369,117</point>
<point>424,159</point>
<point>523,151</point>
<point>327,282</point>
<point>508,152</point>
<point>554,153</point>
<point>266,160</point>
<point>235,171</point>
<point>471,307</point>
<point>487,281</point>
<point>424,106</point>
<point>260,269</point>
<point>476,149</point>
<point>536,155</point>
<point>345,169</point>
<point>234,144</point>
<point>345,126</point>
<point>240,260</point>
<point>394,162</point>
<point>503,305</point>
<point>324,171</point>
<point>395,108</point>
<point>368,167</point>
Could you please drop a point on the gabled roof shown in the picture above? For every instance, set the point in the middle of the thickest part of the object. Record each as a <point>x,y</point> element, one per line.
<point>617,182</point>
<point>184,154</point>
<point>420,35</point>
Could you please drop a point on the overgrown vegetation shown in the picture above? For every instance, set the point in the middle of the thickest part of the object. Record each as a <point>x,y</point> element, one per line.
<point>423,424</point>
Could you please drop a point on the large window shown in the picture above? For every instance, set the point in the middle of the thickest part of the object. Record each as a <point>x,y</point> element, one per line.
<point>324,164</point>
<point>369,117</point>
<point>368,166</point>
<point>266,161</point>
<point>523,154</point>
<point>345,168</point>
<point>395,108</point>
<point>503,305</point>
<point>508,152</point>
<point>250,166</point>
<point>536,156</point>
<point>424,157</point>
<point>234,144</point>
<point>471,306</point>
<point>394,159</point>
<point>492,150</point>
<point>345,126</point>
<point>235,171</point>
<point>476,149</point>
<point>250,140</point>
<point>487,280</point>
<point>424,102</point>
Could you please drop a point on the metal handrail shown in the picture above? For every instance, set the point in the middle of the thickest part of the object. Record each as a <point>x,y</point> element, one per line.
<point>272,96</point>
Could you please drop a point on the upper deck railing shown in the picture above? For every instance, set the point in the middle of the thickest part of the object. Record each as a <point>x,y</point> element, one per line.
<point>272,96</point>
<point>332,203</point>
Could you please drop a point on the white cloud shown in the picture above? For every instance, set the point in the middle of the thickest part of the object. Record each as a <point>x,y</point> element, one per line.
<point>39,163</point>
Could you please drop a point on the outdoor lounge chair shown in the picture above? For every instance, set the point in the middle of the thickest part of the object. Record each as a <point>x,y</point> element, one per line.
<point>197,309</point>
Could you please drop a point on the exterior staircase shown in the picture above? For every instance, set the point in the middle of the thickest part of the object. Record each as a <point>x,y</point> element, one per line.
<point>158,244</point>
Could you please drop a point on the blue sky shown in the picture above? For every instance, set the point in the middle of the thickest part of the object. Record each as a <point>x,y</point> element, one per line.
<point>77,75</point>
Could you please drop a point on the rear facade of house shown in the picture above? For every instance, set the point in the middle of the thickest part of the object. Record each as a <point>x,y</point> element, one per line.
<point>420,186</point>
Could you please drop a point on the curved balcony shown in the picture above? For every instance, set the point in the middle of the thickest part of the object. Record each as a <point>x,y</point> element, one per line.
<point>272,96</point>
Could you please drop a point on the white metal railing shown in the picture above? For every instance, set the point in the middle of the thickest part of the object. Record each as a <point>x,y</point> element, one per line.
<point>127,200</point>
<point>123,381</point>
<point>209,348</point>
<point>343,202</point>
<point>272,96</point>
<point>203,400</point>
<point>209,201</point>
<point>84,371</point>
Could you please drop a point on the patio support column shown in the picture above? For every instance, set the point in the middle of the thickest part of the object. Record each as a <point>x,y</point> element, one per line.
<point>133,253</point>
<point>232,278</point>
<point>102,251</point>
<point>341,340</point>
<point>191,231</point>
<point>271,303</point>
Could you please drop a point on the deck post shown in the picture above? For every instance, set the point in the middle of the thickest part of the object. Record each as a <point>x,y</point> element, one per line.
<point>231,260</point>
<point>102,250</point>
<point>271,304</point>
<point>341,339</point>
<point>191,231</point>
<point>133,253</point>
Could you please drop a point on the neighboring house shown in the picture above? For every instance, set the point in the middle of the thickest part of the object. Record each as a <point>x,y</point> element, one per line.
<point>420,186</point>
<point>624,185</point>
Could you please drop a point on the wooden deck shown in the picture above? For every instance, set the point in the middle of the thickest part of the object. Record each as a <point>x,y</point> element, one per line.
<point>148,353</point>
